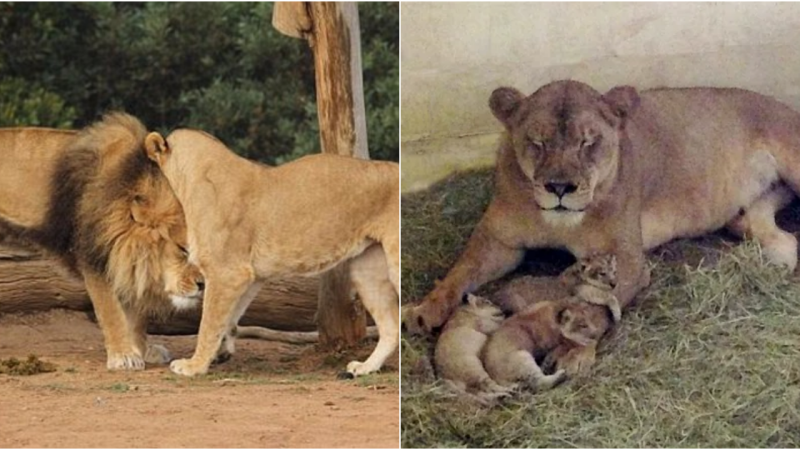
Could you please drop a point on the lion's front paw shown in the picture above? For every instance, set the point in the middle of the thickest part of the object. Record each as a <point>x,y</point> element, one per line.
<point>124,361</point>
<point>157,354</point>
<point>187,367</point>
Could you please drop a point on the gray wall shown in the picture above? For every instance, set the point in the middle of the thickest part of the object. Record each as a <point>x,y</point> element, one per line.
<point>454,54</point>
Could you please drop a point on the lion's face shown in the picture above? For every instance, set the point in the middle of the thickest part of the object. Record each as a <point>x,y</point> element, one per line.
<point>149,258</point>
<point>566,139</point>
<point>183,282</point>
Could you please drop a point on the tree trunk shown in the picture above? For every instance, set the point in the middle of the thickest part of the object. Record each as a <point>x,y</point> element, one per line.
<point>30,283</point>
<point>333,32</point>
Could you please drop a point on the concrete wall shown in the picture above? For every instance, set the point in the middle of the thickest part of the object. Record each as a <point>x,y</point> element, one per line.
<point>454,54</point>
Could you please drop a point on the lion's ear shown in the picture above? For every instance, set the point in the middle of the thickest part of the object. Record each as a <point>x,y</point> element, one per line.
<point>155,146</point>
<point>504,102</point>
<point>623,100</point>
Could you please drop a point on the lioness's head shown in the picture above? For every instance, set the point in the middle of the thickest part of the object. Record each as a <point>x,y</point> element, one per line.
<point>566,138</point>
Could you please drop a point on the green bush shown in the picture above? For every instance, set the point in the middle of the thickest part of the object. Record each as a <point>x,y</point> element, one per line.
<point>22,104</point>
<point>220,67</point>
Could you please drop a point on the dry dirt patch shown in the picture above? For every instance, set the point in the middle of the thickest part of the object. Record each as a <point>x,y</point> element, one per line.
<point>267,395</point>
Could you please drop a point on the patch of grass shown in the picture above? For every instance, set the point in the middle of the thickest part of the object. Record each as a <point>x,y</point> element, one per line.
<point>31,366</point>
<point>119,387</point>
<point>709,356</point>
<point>60,387</point>
<point>377,380</point>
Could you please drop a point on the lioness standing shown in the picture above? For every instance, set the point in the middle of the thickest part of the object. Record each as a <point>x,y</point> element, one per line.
<point>248,222</point>
<point>622,173</point>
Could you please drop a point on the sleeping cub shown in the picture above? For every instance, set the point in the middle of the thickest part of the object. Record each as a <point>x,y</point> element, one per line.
<point>594,271</point>
<point>458,349</point>
<point>559,326</point>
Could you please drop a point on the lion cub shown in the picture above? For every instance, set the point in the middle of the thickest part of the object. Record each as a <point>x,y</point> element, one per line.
<point>555,325</point>
<point>596,271</point>
<point>458,349</point>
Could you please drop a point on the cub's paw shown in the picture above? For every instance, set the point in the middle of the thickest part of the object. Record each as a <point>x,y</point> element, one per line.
<point>157,354</point>
<point>125,361</point>
<point>578,361</point>
<point>186,367</point>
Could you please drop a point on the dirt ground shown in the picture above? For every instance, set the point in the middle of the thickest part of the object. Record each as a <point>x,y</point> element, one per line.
<point>267,395</point>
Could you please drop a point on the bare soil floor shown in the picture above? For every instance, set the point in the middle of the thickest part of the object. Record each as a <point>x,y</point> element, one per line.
<point>267,395</point>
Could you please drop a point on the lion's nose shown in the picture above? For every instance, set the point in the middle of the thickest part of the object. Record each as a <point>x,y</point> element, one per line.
<point>201,286</point>
<point>560,189</point>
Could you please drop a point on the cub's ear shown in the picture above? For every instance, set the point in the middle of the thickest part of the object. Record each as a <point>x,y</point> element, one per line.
<point>156,147</point>
<point>563,317</point>
<point>623,100</point>
<point>504,102</point>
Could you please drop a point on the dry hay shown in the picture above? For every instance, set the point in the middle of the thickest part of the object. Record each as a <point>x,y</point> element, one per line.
<point>708,357</point>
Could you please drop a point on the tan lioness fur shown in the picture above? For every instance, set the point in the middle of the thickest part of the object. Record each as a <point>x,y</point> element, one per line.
<point>248,222</point>
<point>622,173</point>
<point>94,200</point>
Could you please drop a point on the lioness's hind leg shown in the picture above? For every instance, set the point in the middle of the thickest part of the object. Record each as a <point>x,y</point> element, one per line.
<point>121,350</point>
<point>370,276</point>
<point>758,222</point>
<point>228,346</point>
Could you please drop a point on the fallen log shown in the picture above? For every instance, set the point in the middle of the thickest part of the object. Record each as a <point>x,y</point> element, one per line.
<point>31,282</point>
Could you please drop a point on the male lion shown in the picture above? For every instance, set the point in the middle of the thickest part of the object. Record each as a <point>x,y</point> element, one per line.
<point>93,199</point>
<point>622,173</point>
<point>248,222</point>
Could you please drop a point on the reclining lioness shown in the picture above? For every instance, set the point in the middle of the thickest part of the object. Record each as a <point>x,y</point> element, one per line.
<point>248,222</point>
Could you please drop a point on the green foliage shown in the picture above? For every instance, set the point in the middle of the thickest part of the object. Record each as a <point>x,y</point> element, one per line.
<point>220,67</point>
<point>25,105</point>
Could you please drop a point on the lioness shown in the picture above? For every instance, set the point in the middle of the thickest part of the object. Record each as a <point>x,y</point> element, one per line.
<point>622,173</point>
<point>93,199</point>
<point>248,222</point>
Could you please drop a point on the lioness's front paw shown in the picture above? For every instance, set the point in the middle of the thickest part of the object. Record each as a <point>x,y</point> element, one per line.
<point>357,368</point>
<point>157,354</point>
<point>423,318</point>
<point>186,367</point>
<point>124,361</point>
